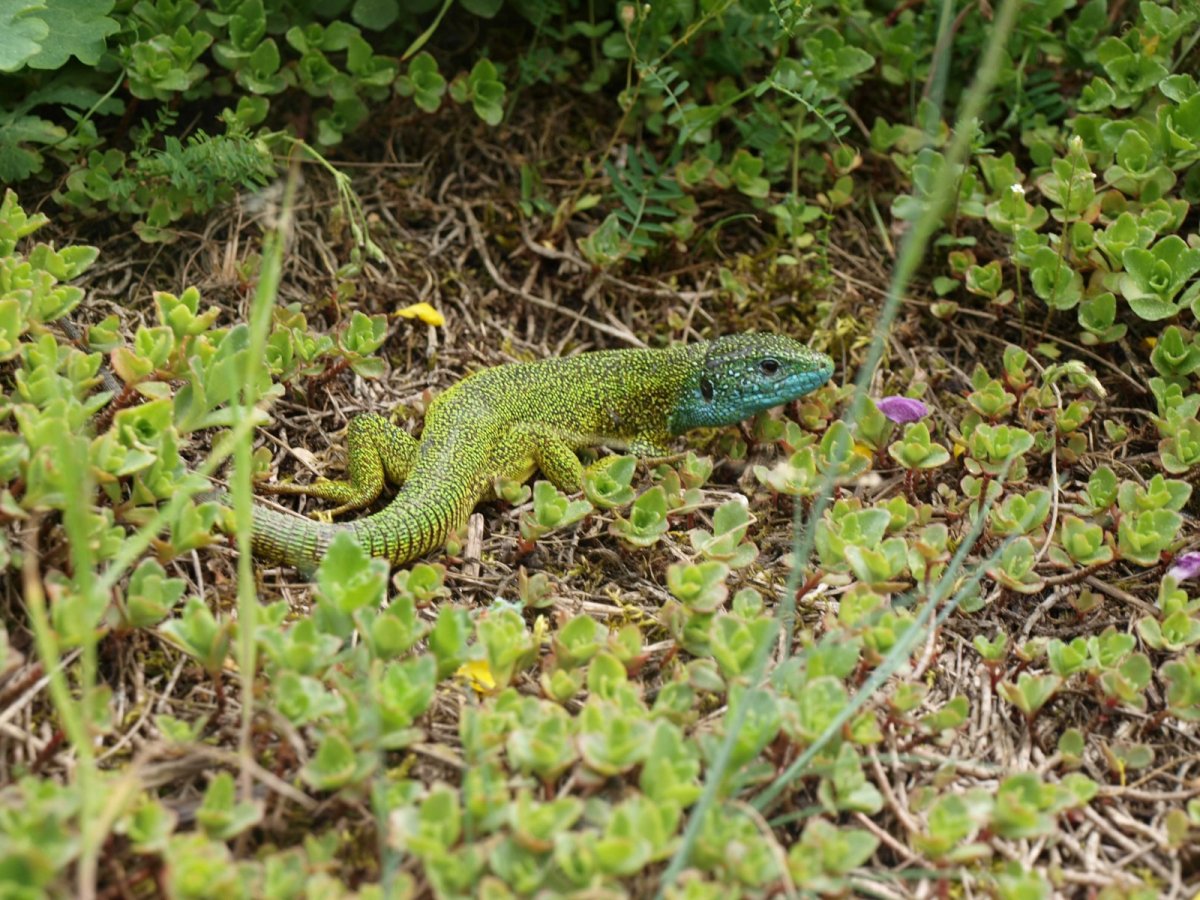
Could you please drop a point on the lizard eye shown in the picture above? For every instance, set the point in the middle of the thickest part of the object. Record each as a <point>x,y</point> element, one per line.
<point>769,366</point>
<point>706,390</point>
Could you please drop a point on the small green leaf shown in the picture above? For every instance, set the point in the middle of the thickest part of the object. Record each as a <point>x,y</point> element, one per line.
<point>220,814</point>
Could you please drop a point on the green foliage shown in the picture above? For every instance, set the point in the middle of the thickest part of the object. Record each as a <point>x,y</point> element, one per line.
<point>1015,568</point>
<point>482,89</point>
<point>796,476</point>
<point>1030,692</point>
<point>201,635</point>
<point>1084,543</point>
<point>1179,627</point>
<point>916,450</point>
<point>259,55</point>
<point>551,509</point>
<point>727,541</point>
<point>221,815</point>
<point>423,83</point>
<point>151,595</point>
<point>700,587</point>
<point>647,520</point>
<point>535,746</point>
<point>608,483</point>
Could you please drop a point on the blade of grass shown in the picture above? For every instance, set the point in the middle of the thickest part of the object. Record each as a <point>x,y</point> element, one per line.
<point>911,253</point>
<point>74,721</point>
<point>74,714</point>
<point>423,38</point>
<point>240,486</point>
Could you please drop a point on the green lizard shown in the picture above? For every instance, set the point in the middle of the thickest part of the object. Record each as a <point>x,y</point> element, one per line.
<point>508,421</point>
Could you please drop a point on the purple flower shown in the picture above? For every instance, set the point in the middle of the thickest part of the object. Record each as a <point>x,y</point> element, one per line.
<point>1187,565</point>
<point>902,410</point>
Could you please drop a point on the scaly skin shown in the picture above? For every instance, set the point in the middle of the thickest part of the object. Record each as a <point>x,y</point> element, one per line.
<point>509,421</point>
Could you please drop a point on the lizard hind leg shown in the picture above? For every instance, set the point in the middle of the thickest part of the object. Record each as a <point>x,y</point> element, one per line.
<point>375,450</point>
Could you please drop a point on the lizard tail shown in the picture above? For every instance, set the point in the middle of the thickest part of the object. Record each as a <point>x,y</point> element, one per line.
<point>399,533</point>
<point>278,536</point>
<point>290,539</point>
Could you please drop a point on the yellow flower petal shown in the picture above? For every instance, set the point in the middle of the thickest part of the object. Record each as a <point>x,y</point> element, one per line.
<point>424,312</point>
<point>478,674</point>
<point>541,631</point>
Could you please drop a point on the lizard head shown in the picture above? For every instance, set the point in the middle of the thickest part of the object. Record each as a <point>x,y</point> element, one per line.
<point>739,375</point>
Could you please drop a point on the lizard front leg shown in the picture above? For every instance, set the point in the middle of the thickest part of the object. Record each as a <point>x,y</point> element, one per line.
<point>529,447</point>
<point>375,449</point>
<point>651,446</point>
